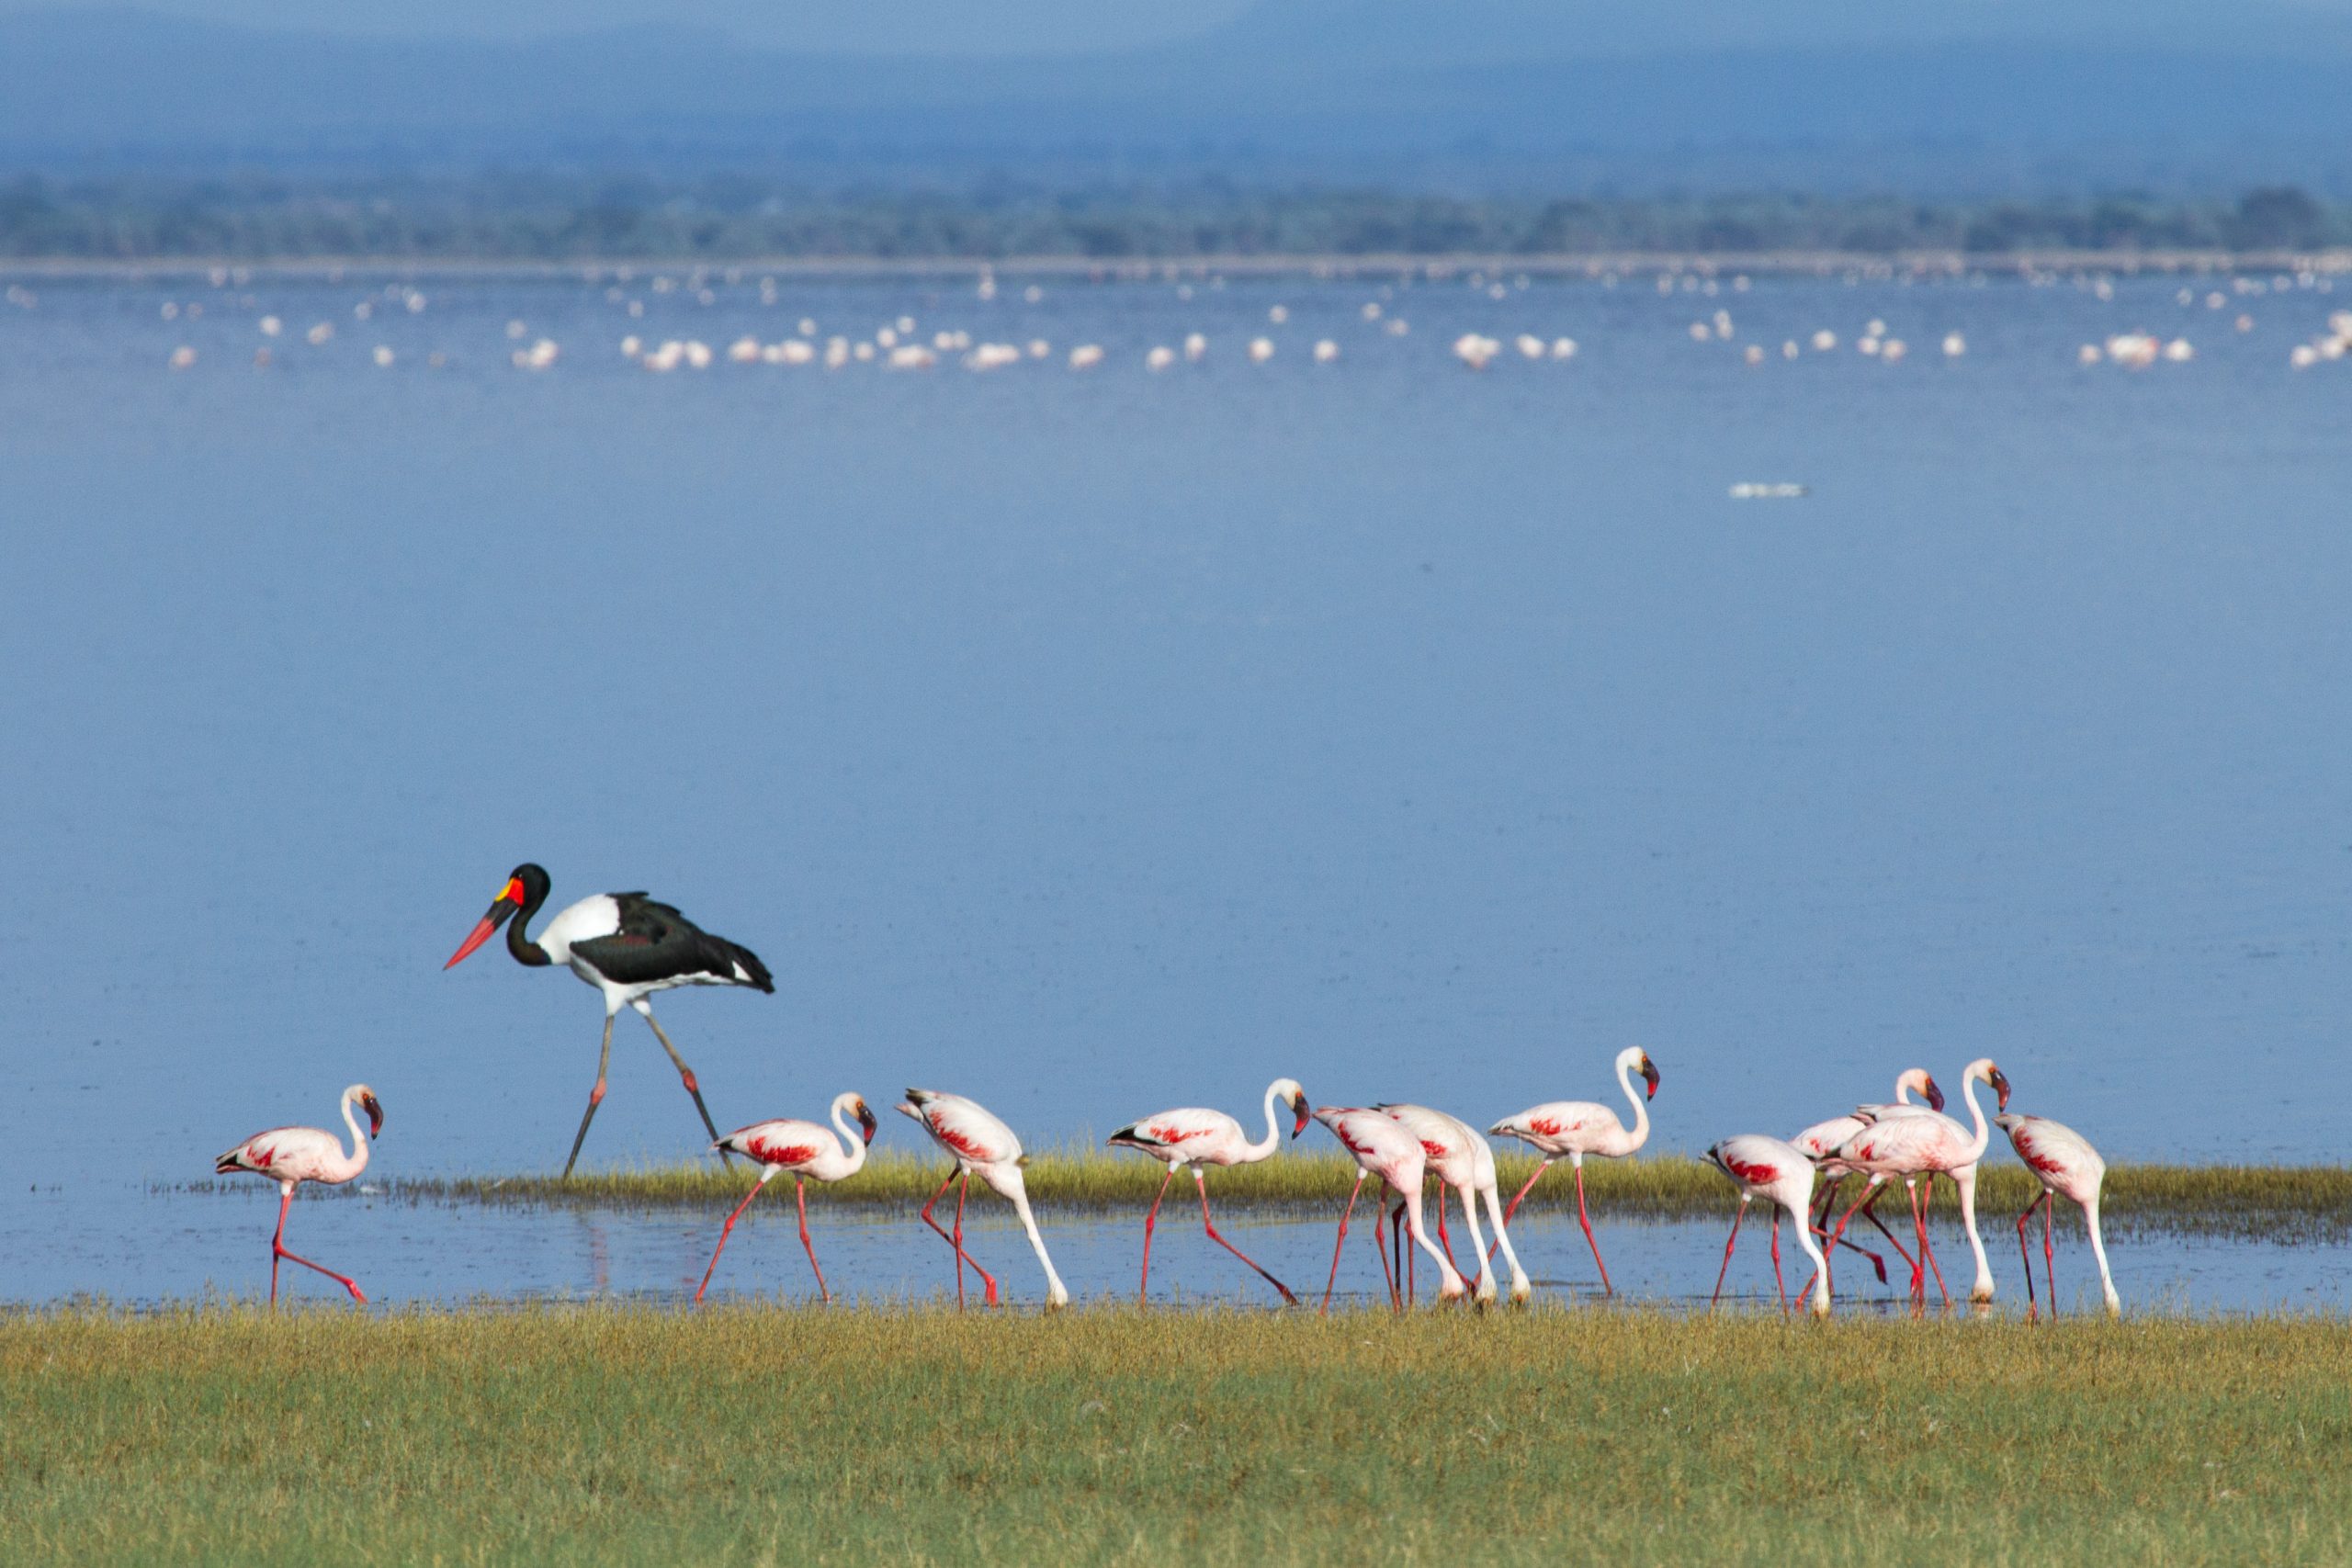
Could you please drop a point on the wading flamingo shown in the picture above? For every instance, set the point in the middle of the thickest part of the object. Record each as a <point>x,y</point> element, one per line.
<point>2065,1163</point>
<point>1820,1142</point>
<point>804,1149</point>
<point>1385,1149</point>
<point>1924,1145</point>
<point>1963,1179</point>
<point>1191,1138</point>
<point>1782,1174</point>
<point>1577,1128</point>
<point>983,1146</point>
<point>1462,1160</point>
<point>291,1156</point>
<point>626,946</point>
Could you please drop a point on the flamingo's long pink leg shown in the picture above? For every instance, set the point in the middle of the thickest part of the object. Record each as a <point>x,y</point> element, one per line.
<point>1469,1206</point>
<point>801,1196</point>
<point>988,1297</point>
<point>1380,1246</point>
<point>1350,1209</point>
<point>1721,1274</point>
<point>1143,1286</point>
<point>277,1250</point>
<point>1586,1221</point>
<point>956,1241</point>
<point>1210,1226</point>
<point>2049,1251</point>
<point>1867,1194</point>
<point>728,1229</point>
<point>2026,1257</point>
<point>1927,1251</point>
<point>1779,1283</point>
<point>1868,1206</point>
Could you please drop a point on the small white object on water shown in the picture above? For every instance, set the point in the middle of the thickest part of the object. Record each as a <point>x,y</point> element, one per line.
<point>1753,354</point>
<point>836,352</point>
<point>1869,345</point>
<point>1032,294</point>
<point>1398,327</point>
<point>1700,333</point>
<point>1279,314</point>
<point>906,325</point>
<point>988,286</point>
<point>1530,346</point>
<point>1564,348</point>
<point>364,309</point>
<point>1326,351</point>
<point>808,326</point>
<point>515,328</point>
<point>1195,346</point>
<point>631,347</point>
<point>862,352</point>
<point>992,356</point>
<point>319,333</point>
<point>911,356</point>
<point>2179,351</point>
<point>1954,346</point>
<point>697,354</point>
<point>1788,349</point>
<point>1751,490</point>
<point>2244,324</point>
<point>271,326</point>
<point>1039,349</point>
<point>1876,329</point>
<point>2303,356</point>
<point>1475,351</point>
<point>383,356</point>
<point>1892,350</point>
<point>1160,358</point>
<point>171,311</point>
<point>887,338</point>
<point>1261,350</point>
<point>1824,341</point>
<point>1086,357</point>
<point>635,309</point>
<point>1372,309</point>
<point>744,350</point>
<point>182,357</point>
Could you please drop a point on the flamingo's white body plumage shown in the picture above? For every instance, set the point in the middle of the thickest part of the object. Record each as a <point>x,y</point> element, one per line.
<point>291,1156</point>
<point>1383,1149</point>
<point>1782,1174</point>
<point>984,1147</point>
<point>802,1150</point>
<point>1189,1137</point>
<point>1574,1128</point>
<point>1462,1160</point>
<point>2065,1163</point>
<point>1822,1140</point>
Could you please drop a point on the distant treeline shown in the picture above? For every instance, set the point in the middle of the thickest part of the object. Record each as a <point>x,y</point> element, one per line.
<point>534,217</point>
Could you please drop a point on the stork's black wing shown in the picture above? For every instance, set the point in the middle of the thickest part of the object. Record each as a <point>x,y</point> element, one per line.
<point>656,942</point>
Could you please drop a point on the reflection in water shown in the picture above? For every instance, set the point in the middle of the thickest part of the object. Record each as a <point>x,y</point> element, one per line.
<point>144,1247</point>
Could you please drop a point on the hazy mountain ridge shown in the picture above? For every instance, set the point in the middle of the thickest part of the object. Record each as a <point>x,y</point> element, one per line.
<point>1303,87</point>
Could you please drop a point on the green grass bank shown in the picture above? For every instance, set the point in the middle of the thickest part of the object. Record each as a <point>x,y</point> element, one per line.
<point>2279,1202</point>
<point>766,1435</point>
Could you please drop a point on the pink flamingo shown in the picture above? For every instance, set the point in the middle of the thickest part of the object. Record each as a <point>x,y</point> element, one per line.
<point>983,1146</point>
<point>1191,1138</point>
<point>1963,1179</point>
<point>1462,1160</point>
<point>1922,1144</point>
<point>2065,1164</point>
<point>1576,1128</point>
<point>291,1156</point>
<point>804,1149</point>
<point>1821,1141</point>
<point>1385,1149</point>
<point>1767,1167</point>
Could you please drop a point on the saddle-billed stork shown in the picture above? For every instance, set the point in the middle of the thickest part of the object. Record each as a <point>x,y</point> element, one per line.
<point>628,947</point>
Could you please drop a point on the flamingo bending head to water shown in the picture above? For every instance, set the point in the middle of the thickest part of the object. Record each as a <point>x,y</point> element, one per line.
<point>1766,1167</point>
<point>1462,1160</point>
<point>2065,1163</point>
<point>1383,1149</point>
<point>983,1146</point>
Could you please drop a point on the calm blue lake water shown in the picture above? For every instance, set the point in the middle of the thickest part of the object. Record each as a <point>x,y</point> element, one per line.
<point>1093,743</point>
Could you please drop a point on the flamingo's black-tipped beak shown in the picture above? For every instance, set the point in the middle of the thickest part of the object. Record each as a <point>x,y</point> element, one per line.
<point>375,1108</point>
<point>1298,1108</point>
<point>1649,1076</point>
<point>2000,1083</point>
<point>1935,1096</point>
<point>510,899</point>
<point>867,1122</point>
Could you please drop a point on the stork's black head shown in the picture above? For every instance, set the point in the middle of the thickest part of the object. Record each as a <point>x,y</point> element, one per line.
<point>525,890</point>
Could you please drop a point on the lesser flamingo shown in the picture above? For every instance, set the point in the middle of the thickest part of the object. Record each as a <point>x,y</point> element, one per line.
<point>291,1156</point>
<point>1782,1174</point>
<point>804,1149</point>
<point>2065,1163</point>
<point>1574,1128</point>
<point>983,1146</point>
<point>1382,1148</point>
<point>1190,1138</point>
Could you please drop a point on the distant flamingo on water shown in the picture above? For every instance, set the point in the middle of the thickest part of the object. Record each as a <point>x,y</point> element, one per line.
<point>1782,1173</point>
<point>291,1156</point>
<point>804,1149</point>
<point>1460,1159</point>
<point>628,946</point>
<point>1923,1144</point>
<point>1576,1128</point>
<point>1191,1138</point>
<point>983,1146</point>
<point>1385,1149</point>
<point>2065,1163</point>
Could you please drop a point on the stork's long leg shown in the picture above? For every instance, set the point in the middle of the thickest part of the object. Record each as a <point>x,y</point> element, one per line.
<point>728,1228</point>
<point>277,1250</point>
<point>1210,1226</point>
<point>595,1098</point>
<point>686,1076</point>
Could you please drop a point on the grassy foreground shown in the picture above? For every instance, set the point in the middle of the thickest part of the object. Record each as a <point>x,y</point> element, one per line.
<point>2276,1201</point>
<point>766,1435</point>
